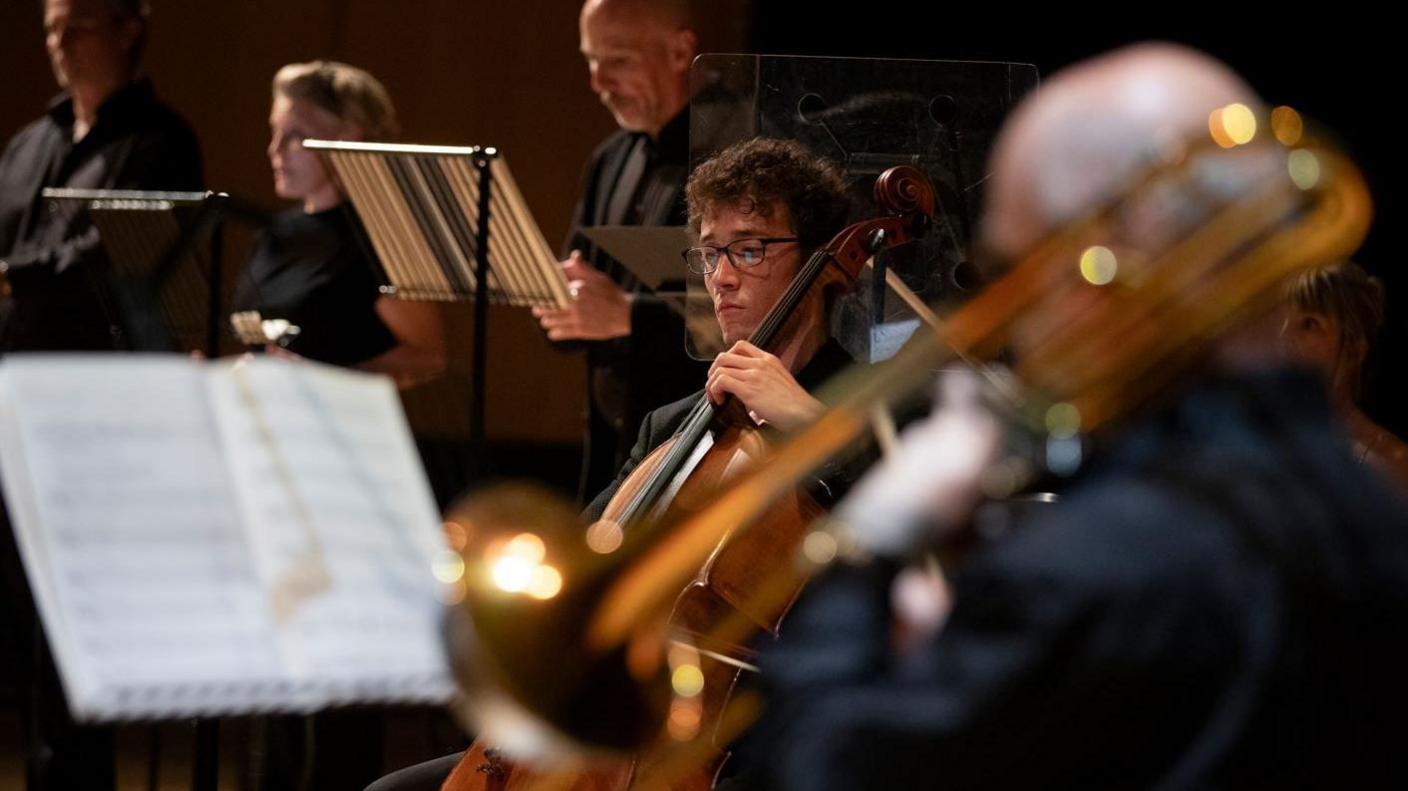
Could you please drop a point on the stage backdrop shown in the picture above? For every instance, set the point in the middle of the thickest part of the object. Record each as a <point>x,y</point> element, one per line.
<point>461,72</point>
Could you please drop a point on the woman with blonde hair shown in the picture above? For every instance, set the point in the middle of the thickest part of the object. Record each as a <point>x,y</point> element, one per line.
<point>311,266</point>
<point>1332,317</point>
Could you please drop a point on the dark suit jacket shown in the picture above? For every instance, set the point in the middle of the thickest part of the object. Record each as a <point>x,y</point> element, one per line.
<point>630,376</point>
<point>1219,603</point>
<point>661,424</point>
<point>56,265</point>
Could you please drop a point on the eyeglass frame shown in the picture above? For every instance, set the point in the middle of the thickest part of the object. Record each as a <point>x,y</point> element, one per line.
<point>765,240</point>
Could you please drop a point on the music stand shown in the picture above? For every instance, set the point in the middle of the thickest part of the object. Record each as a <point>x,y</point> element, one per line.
<point>650,252</point>
<point>165,278</point>
<point>430,211</point>
<point>165,273</point>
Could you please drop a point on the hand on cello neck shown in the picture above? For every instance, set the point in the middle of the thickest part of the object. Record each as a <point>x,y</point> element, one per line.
<point>765,387</point>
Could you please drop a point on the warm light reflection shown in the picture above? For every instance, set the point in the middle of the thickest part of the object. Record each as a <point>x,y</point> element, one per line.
<point>819,547</point>
<point>1062,420</point>
<point>448,567</point>
<point>1286,125</point>
<point>526,546</point>
<point>1304,167</point>
<point>605,537</point>
<point>687,680</point>
<point>546,583</point>
<point>512,574</point>
<point>456,534</point>
<point>517,566</point>
<point>1098,265</point>
<point>1219,132</point>
<point>1233,125</point>
<point>1240,123</point>
<point>685,718</point>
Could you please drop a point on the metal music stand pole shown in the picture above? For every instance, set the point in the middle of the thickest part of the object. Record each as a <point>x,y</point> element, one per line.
<point>481,305</point>
<point>217,203</point>
<point>205,769</point>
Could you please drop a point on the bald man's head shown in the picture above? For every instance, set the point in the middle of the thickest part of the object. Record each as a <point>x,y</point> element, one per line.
<point>671,14</point>
<point>1092,128</point>
<point>638,55</point>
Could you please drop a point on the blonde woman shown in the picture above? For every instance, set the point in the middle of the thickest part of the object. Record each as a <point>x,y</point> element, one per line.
<point>1332,317</point>
<point>310,267</point>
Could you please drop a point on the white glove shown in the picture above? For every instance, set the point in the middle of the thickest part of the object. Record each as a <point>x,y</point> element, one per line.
<point>932,482</point>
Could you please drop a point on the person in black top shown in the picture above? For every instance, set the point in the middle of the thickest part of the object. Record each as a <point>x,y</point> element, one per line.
<point>1332,316</point>
<point>107,130</point>
<point>310,267</point>
<point>638,54</point>
<point>1217,599</point>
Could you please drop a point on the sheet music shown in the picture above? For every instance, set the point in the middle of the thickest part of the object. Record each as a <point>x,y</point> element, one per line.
<point>133,529</point>
<point>221,538</point>
<point>344,525</point>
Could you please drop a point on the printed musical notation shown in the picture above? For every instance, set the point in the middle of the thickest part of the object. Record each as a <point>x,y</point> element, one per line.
<point>221,538</point>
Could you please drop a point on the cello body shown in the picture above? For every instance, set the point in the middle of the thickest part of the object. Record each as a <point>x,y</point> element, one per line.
<point>717,595</point>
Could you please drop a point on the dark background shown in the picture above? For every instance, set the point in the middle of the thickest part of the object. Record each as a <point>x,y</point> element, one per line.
<point>508,74</point>
<point>1336,65</point>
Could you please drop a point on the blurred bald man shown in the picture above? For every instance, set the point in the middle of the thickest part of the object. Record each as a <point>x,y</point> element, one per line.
<point>1217,600</point>
<point>638,55</point>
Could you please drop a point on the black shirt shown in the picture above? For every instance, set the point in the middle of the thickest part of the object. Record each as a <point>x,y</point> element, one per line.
<point>1219,603</point>
<point>56,266</point>
<point>313,270</point>
<point>633,180</point>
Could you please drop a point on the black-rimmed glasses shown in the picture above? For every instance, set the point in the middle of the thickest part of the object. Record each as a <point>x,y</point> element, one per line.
<point>742,253</point>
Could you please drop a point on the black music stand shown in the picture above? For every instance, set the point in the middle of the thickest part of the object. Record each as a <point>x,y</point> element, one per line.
<point>165,279</point>
<point>449,224</point>
<point>165,273</point>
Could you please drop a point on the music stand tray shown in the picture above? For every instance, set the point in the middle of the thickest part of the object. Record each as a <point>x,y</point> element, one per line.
<point>449,224</point>
<point>652,253</point>
<point>165,267</point>
<point>422,208</point>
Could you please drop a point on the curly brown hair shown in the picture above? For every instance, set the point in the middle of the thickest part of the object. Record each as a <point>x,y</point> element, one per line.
<point>759,174</point>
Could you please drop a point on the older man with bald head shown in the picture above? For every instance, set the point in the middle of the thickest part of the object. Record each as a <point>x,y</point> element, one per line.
<point>1215,602</point>
<point>638,55</point>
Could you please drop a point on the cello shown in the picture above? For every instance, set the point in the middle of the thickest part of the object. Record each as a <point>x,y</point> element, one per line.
<point>699,650</point>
